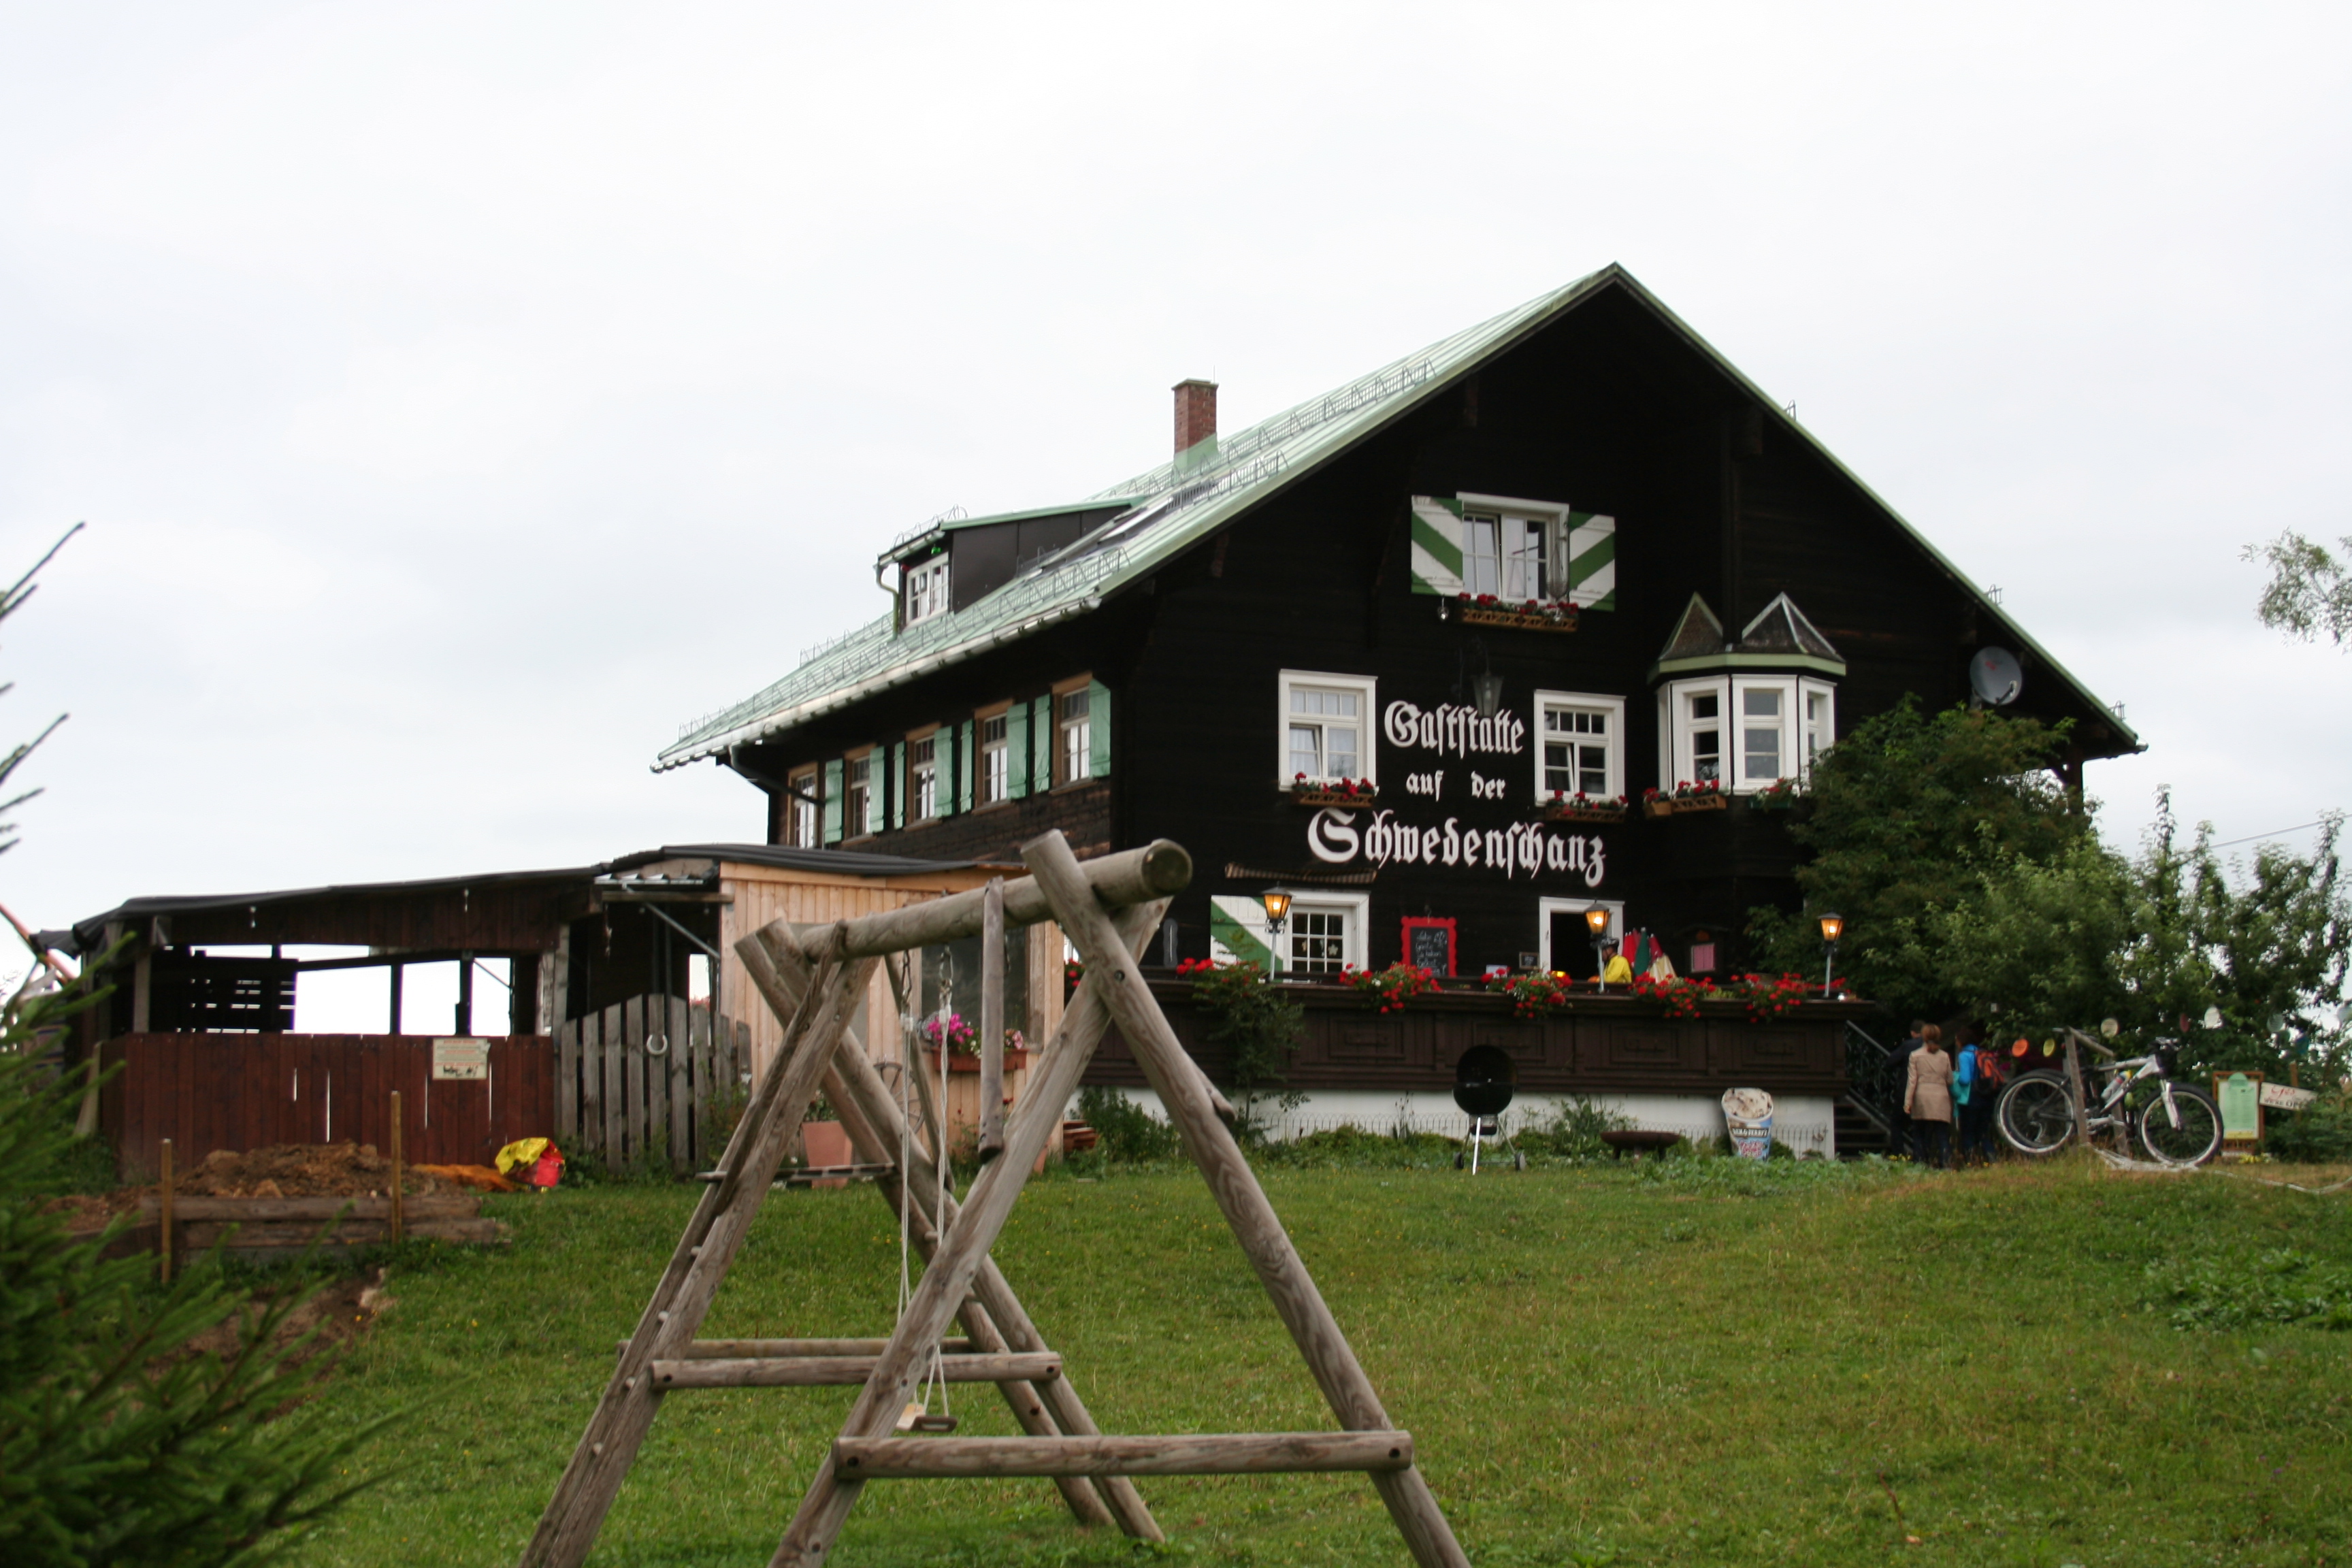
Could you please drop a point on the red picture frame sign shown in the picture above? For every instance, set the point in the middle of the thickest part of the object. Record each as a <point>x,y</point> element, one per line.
<point>1420,943</point>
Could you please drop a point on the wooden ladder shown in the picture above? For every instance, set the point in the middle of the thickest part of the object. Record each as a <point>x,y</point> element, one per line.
<point>813,977</point>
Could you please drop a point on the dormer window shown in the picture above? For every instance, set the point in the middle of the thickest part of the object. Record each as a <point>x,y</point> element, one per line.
<point>925,589</point>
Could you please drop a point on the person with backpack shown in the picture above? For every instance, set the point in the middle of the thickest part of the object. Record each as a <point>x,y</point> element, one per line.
<point>1977,1078</point>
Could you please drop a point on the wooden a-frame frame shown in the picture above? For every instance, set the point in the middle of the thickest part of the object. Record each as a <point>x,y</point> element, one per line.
<point>811,976</point>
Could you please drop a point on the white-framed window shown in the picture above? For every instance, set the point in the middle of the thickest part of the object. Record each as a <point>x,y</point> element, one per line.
<point>927,589</point>
<point>1564,934</point>
<point>801,816</point>
<point>1580,744</point>
<point>996,759</point>
<point>1326,726</point>
<point>1514,549</point>
<point>1744,733</point>
<point>1819,699</point>
<point>923,778</point>
<point>1074,718</point>
<point>1324,933</point>
<point>856,793</point>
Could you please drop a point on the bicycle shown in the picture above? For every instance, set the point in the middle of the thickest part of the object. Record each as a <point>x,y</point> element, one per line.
<point>2177,1123</point>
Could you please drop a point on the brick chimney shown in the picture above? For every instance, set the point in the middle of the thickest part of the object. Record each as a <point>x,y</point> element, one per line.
<point>1196,413</point>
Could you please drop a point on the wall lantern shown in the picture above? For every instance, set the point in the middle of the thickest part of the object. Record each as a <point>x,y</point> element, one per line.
<point>1833,928</point>
<point>1596,920</point>
<point>1487,692</point>
<point>1277,908</point>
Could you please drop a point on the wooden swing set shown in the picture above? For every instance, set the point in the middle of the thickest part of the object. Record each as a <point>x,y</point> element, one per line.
<point>814,976</point>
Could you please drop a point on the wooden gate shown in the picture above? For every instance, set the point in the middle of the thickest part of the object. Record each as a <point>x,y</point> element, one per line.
<point>650,1082</point>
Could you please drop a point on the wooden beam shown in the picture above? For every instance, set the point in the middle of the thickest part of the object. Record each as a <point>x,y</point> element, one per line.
<point>990,1136</point>
<point>842,1371</point>
<point>1107,958</point>
<point>1128,878</point>
<point>1203,1454</point>
<point>731,1350</point>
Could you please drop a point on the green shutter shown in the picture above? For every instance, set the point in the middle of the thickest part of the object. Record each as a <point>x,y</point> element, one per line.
<point>1593,561</point>
<point>832,801</point>
<point>967,766</point>
<point>877,794</point>
<point>1016,751</point>
<point>1237,932</point>
<point>1436,546</point>
<point>1099,730</point>
<point>898,783</point>
<point>1044,736</point>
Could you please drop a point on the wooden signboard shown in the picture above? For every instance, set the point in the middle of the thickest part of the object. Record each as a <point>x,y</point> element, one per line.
<point>1429,943</point>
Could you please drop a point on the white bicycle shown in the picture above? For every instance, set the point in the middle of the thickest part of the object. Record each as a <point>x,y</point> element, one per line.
<point>2177,1123</point>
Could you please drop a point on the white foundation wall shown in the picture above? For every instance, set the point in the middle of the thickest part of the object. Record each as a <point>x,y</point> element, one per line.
<point>1804,1123</point>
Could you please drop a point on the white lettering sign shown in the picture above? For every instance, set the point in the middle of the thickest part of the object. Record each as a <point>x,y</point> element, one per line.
<point>1452,729</point>
<point>1522,849</point>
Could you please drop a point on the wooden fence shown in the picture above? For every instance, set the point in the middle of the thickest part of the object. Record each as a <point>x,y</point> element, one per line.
<point>650,1081</point>
<point>240,1091</point>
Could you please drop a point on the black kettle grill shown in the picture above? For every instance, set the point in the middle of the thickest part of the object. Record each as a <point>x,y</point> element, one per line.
<point>1483,1082</point>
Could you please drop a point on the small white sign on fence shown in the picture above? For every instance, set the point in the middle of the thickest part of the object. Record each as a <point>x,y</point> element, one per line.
<point>461,1059</point>
<point>2279,1097</point>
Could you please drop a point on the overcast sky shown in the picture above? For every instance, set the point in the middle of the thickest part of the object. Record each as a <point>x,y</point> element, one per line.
<point>460,397</point>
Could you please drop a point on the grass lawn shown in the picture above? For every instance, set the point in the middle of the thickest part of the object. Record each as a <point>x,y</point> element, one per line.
<point>1700,1362</point>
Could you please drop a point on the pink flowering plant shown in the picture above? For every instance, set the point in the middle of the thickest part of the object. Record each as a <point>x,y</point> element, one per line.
<point>956,1033</point>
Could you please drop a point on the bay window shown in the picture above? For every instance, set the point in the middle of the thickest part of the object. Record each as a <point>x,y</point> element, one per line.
<point>1743,732</point>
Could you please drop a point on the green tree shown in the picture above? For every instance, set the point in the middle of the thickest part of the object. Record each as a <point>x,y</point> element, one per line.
<point>2158,942</point>
<point>2310,590</point>
<point>1899,818</point>
<point>121,1442</point>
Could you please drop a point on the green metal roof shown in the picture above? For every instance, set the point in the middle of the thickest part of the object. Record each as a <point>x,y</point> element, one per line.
<point>1172,507</point>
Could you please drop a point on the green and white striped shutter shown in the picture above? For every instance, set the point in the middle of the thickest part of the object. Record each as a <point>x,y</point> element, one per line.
<point>1436,546</point>
<point>1237,932</point>
<point>1593,561</point>
<point>1097,730</point>
<point>832,801</point>
<point>965,799</point>
<point>1016,751</point>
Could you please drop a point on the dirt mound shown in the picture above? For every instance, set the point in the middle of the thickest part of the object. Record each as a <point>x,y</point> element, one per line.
<point>303,1171</point>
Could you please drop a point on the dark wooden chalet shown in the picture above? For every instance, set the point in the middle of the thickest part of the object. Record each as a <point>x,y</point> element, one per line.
<point>1414,652</point>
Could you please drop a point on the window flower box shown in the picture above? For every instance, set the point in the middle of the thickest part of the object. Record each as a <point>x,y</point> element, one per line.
<point>1015,1060</point>
<point>1523,614</point>
<point>1582,807</point>
<point>1304,791</point>
<point>1685,798</point>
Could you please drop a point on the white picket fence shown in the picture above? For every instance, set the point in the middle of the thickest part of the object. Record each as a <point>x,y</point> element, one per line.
<point>651,1081</point>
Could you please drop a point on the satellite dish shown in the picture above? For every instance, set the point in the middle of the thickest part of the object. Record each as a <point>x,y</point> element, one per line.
<point>1994,676</point>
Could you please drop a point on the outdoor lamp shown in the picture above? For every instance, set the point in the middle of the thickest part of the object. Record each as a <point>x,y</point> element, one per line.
<point>1277,906</point>
<point>1598,921</point>
<point>1833,928</point>
<point>1487,692</point>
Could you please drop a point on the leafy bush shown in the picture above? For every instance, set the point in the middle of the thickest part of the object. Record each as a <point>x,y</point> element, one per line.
<point>2317,1135</point>
<point>1573,1131</point>
<point>1127,1134</point>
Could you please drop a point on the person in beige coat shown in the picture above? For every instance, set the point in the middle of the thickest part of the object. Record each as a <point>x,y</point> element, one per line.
<point>1927,1099</point>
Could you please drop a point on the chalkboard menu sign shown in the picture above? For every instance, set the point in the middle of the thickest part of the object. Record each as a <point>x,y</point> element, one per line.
<point>1429,943</point>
